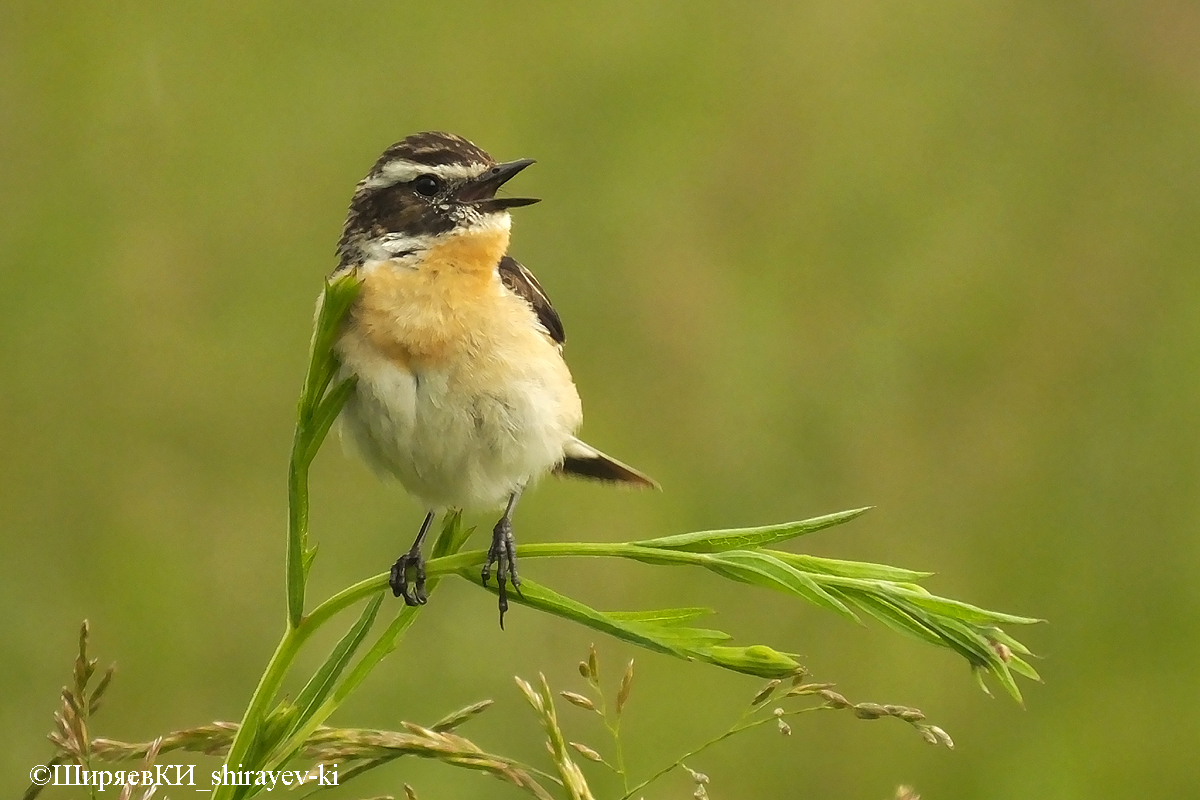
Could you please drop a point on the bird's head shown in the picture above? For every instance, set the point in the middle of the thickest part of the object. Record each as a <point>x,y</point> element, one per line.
<point>423,190</point>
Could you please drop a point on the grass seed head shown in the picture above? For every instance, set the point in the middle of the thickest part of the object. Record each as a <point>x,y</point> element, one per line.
<point>626,687</point>
<point>833,699</point>
<point>870,711</point>
<point>576,699</point>
<point>586,751</point>
<point>453,720</point>
<point>593,665</point>
<point>808,688</point>
<point>764,694</point>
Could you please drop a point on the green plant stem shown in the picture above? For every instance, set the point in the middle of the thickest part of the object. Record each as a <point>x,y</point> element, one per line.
<point>449,540</point>
<point>296,636</point>
<point>297,531</point>
<point>737,728</point>
<point>615,731</point>
<point>277,669</point>
<point>460,561</point>
<point>446,565</point>
<point>264,693</point>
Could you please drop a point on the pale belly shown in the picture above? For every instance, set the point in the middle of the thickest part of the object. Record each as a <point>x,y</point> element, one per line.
<point>456,438</point>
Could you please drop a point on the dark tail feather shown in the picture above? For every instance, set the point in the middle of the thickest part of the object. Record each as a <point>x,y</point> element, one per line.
<point>584,461</point>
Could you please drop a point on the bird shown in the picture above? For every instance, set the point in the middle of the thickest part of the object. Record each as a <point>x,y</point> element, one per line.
<point>460,389</point>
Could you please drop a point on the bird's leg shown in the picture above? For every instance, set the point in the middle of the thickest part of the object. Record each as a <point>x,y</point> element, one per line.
<point>503,553</point>
<point>413,558</point>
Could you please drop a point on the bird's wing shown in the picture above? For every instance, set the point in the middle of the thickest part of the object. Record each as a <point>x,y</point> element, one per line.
<point>521,282</point>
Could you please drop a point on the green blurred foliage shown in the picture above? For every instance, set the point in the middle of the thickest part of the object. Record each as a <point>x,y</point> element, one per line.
<point>936,257</point>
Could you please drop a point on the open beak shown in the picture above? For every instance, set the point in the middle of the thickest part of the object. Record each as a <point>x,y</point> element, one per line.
<point>481,191</point>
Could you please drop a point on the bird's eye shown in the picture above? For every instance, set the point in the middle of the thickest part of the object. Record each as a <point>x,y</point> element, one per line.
<point>426,185</point>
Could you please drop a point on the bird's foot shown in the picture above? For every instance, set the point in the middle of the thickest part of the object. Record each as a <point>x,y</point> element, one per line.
<point>413,595</point>
<point>502,553</point>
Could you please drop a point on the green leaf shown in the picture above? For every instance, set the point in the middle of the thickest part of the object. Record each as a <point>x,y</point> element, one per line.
<point>321,683</point>
<point>315,414</point>
<point>896,619</point>
<point>748,538</point>
<point>959,610</point>
<point>551,602</point>
<point>665,616</point>
<point>1022,667</point>
<point>686,643</point>
<point>967,642</point>
<point>692,637</point>
<point>310,555</point>
<point>1003,638</point>
<point>452,537</point>
<point>324,417</point>
<point>763,569</point>
<point>849,569</point>
<point>1004,675</point>
<point>340,293</point>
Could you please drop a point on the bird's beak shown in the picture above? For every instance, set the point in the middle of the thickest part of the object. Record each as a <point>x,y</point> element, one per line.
<point>481,191</point>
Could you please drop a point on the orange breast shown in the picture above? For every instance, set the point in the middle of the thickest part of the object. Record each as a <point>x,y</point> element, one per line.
<point>424,315</point>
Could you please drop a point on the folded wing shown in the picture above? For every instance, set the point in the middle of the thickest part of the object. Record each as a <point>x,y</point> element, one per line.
<point>521,282</point>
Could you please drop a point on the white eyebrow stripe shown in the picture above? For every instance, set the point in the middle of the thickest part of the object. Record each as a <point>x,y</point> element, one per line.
<point>401,170</point>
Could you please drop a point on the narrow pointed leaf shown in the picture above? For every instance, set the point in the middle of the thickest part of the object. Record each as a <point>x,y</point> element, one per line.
<point>692,637</point>
<point>665,616</point>
<point>748,538</point>
<point>764,570</point>
<point>963,611</point>
<point>1004,639</point>
<point>897,619</point>
<point>1022,667</point>
<point>1004,675</point>
<point>757,660</point>
<point>339,295</point>
<point>551,602</point>
<point>310,555</point>
<point>452,536</point>
<point>324,417</point>
<point>322,682</point>
<point>849,569</point>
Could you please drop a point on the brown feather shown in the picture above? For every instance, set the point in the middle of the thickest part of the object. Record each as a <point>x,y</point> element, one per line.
<point>521,282</point>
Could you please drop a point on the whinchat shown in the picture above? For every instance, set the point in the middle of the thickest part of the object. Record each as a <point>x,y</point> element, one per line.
<point>462,393</point>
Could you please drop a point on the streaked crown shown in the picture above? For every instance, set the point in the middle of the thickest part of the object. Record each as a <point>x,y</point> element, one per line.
<point>423,187</point>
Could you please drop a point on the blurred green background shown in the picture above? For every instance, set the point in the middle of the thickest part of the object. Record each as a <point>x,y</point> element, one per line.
<point>935,257</point>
